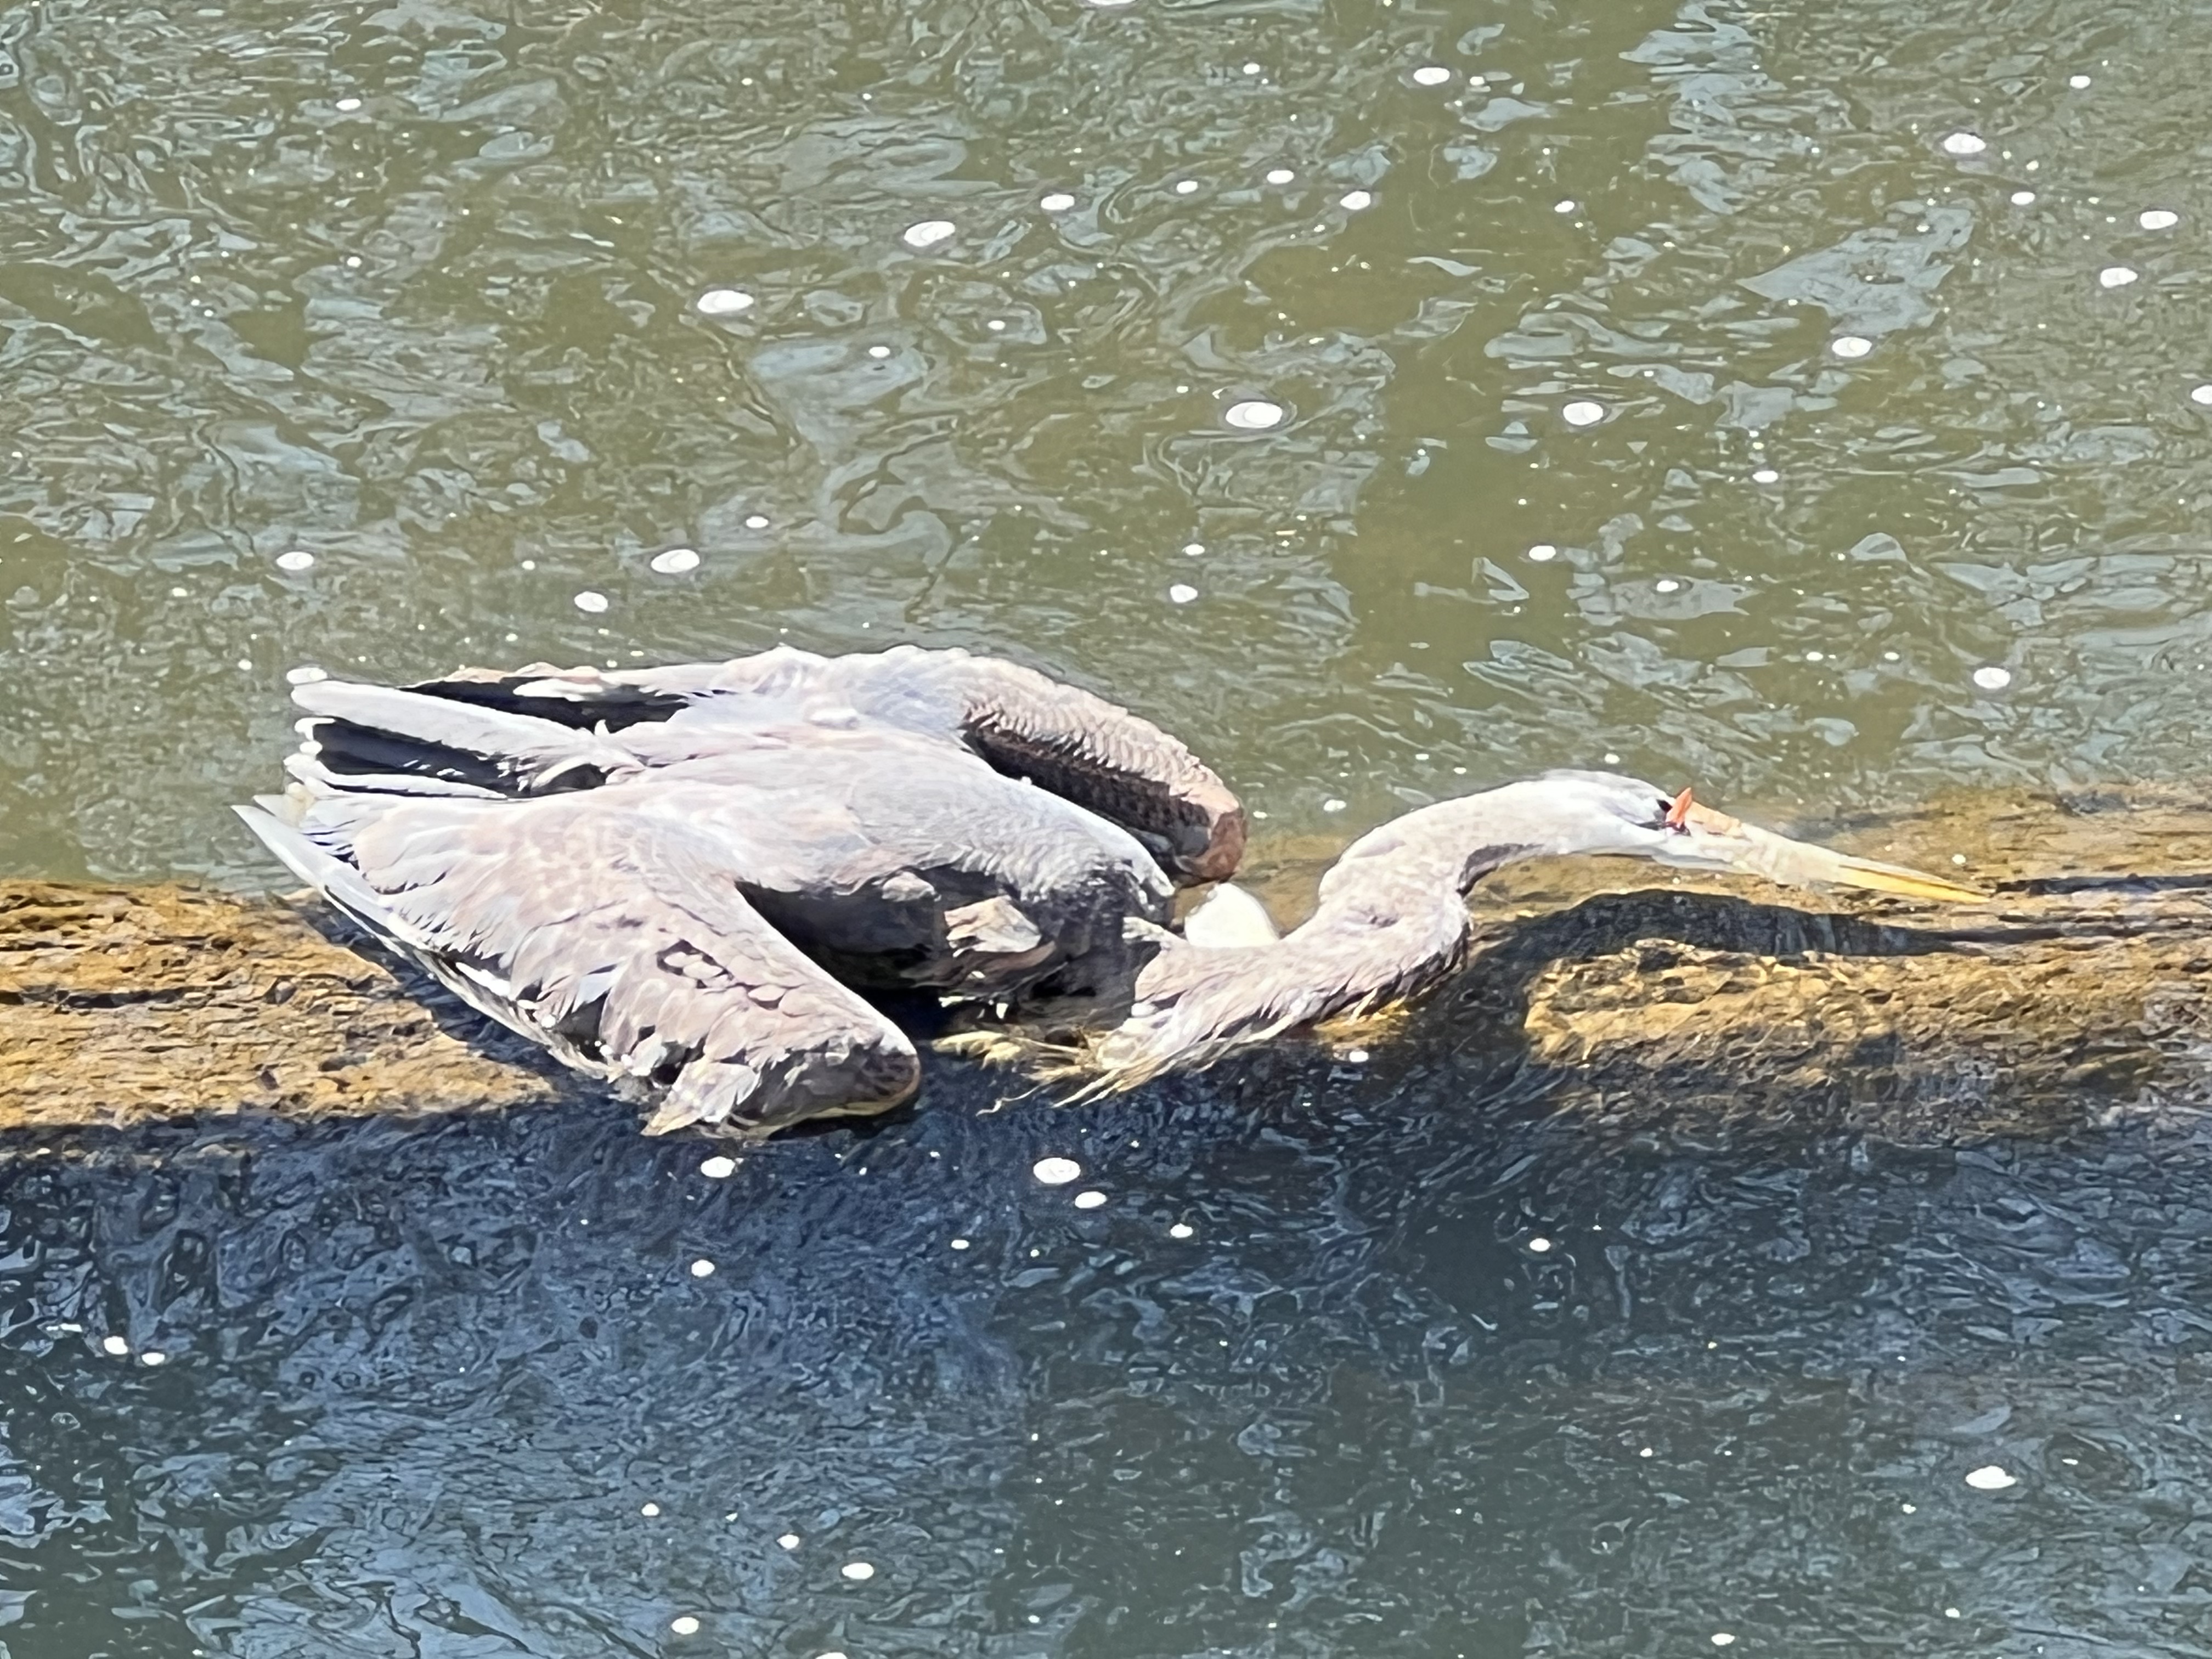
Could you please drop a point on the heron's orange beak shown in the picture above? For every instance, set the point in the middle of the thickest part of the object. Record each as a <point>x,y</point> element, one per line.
<point>1717,840</point>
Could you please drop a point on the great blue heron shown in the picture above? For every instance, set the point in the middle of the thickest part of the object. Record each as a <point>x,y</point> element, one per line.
<point>663,874</point>
<point>1393,919</point>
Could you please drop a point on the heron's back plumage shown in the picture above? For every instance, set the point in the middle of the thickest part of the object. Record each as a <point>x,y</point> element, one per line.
<point>650,872</point>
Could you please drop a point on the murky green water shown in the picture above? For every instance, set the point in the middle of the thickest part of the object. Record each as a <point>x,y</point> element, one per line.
<point>416,289</point>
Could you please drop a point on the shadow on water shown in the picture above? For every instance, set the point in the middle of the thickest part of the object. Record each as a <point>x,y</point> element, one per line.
<point>1466,1352</point>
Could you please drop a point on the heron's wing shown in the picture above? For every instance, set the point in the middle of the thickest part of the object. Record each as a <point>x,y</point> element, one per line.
<point>617,939</point>
<point>379,738</point>
<point>585,697</point>
<point>1079,746</point>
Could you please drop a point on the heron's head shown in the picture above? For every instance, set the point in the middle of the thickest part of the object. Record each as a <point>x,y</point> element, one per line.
<point>1603,812</point>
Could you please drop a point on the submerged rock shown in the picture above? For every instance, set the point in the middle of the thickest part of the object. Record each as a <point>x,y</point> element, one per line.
<point>1632,998</point>
<point>124,1003</point>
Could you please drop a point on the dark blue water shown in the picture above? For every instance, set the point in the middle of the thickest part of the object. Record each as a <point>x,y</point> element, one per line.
<point>1438,1371</point>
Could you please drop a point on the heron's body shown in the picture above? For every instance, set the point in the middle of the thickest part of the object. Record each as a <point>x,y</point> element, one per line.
<point>642,871</point>
<point>675,875</point>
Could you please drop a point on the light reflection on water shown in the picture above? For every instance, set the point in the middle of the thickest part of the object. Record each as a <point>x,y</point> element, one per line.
<point>1341,1366</point>
<point>488,312</point>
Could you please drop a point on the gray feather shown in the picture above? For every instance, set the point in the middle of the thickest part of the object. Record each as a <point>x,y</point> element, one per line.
<point>541,749</point>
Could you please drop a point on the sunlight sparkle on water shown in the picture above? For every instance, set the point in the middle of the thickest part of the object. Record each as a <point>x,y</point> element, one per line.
<point>1185,186</point>
<point>702,1269</point>
<point>1253,415</point>
<point>1332,804</point>
<point>755,520</point>
<point>1056,1171</point>
<point>1766,475</point>
<point>1543,553</point>
<point>719,1168</point>
<point>1180,1230</point>
<point>2158,218</point>
<point>789,1541</point>
<point>1058,202</point>
<point>1991,1477</point>
<point>1356,200</point>
<point>676,561</point>
<point>1432,75</point>
<point>2022,197</point>
<point>927,232</point>
<point>683,1625</point>
<point>298,559</point>
<point>1540,1245</point>
<point>2077,82</point>
<point>594,603</point>
<point>1851,345</point>
<point>2200,394</point>
<point>2117,277</point>
<point>1992,679</point>
<point>858,1570</point>
<point>1090,1200</point>
<point>959,1243</point>
<point>1182,594</point>
<point>723,302</point>
<point>115,1345</point>
<point>349,104</point>
<point>1965,143</point>
<point>1280,175</point>
<point>1582,412</point>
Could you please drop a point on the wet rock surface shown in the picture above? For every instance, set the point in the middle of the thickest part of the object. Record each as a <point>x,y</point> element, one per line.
<point>1684,1000</point>
<point>2081,978</point>
<point>124,1003</point>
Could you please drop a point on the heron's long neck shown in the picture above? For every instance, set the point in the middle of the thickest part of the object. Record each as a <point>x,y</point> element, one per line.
<point>1392,918</point>
<point>1429,857</point>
